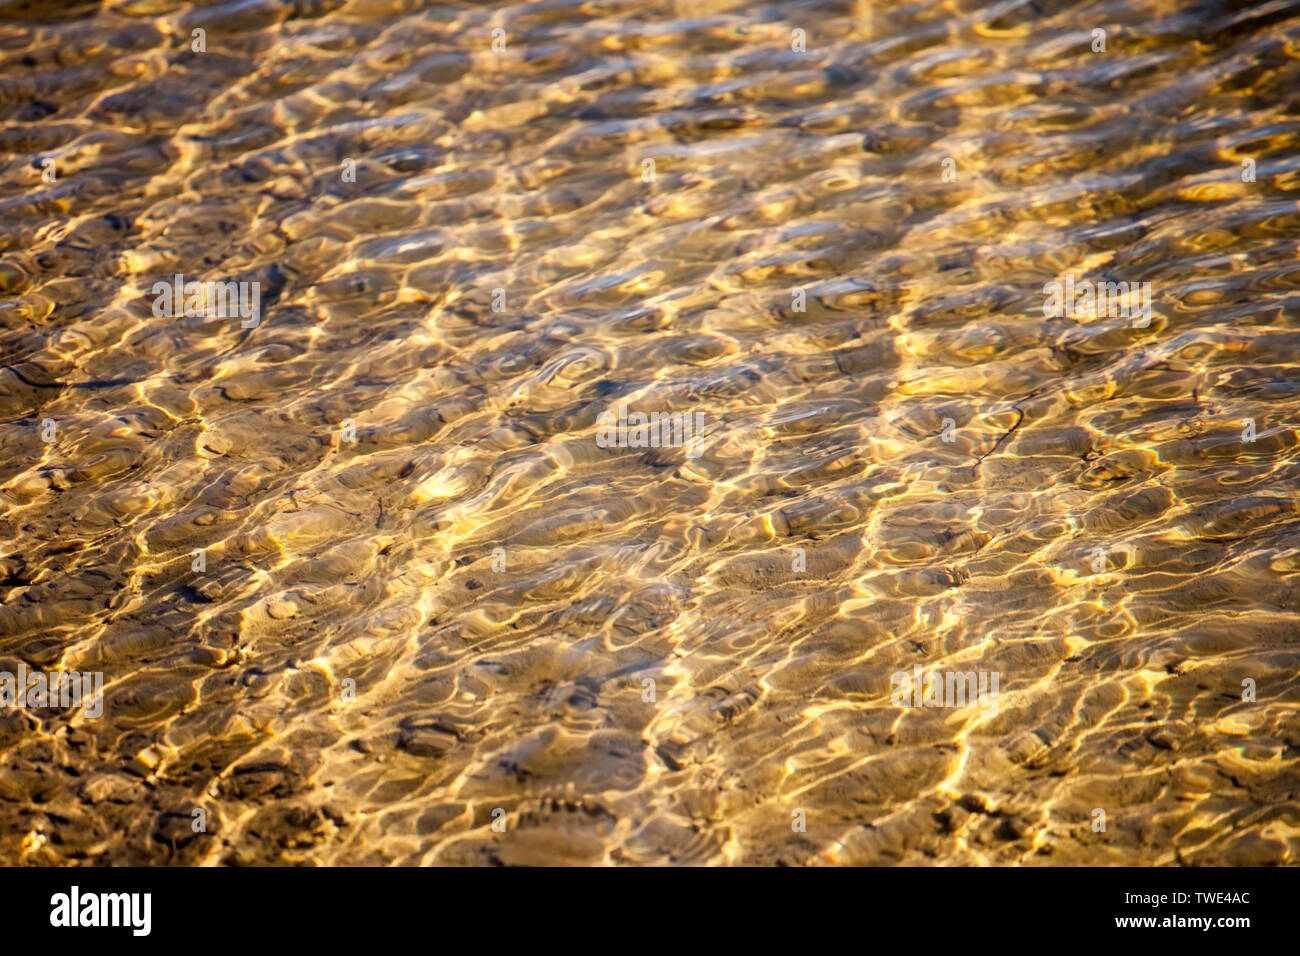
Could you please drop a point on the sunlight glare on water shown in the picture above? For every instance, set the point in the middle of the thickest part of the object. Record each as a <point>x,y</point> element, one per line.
<point>386,568</point>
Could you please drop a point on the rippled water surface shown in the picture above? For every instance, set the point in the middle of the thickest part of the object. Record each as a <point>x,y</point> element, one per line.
<point>361,579</point>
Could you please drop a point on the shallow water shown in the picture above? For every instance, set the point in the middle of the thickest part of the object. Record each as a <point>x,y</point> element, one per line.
<point>430,599</point>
